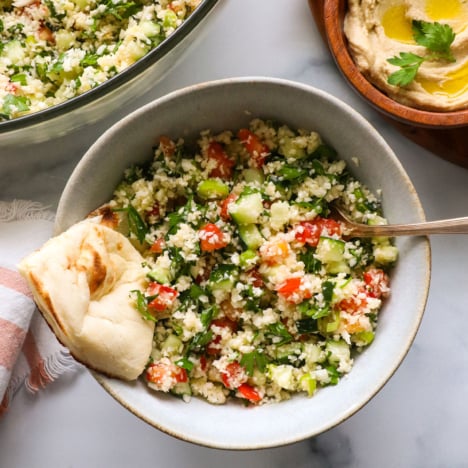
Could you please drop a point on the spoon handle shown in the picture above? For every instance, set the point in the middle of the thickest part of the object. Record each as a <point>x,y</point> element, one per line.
<point>446,226</point>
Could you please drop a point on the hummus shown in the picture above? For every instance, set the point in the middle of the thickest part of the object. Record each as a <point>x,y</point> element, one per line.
<point>380,29</point>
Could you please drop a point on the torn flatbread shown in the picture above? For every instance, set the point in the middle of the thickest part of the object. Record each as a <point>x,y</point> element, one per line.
<point>81,281</point>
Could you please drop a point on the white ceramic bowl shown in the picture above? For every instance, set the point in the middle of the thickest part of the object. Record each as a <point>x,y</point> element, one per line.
<point>101,101</point>
<point>231,104</point>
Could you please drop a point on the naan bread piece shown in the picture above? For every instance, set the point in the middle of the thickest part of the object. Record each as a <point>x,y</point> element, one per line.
<point>81,281</point>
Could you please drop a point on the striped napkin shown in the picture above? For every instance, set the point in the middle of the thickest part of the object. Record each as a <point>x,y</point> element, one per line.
<point>29,352</point>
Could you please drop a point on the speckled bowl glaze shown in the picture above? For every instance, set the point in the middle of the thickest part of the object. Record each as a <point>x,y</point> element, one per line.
<point>230,104</point>
<point>99,102</point>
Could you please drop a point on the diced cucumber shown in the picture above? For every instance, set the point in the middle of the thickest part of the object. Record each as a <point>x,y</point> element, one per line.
<point>282,375</point>
<point>338,352</point>
<point>291,148</point>
<point>279,214</point>
<point>251,236</point>
<point>363,338</point>
<point>247,208</point>
<point>330,323</point>
<point>14,51</point>
<point>64,39</point>
<point>385,254</point>
<point>225,285</point>
<point>253,175</point>
<point>337,267</point>
<point>172,345</point>
<point>212,189</point>
<point>170,19</point>
<point>378,221</point>
<point>182,389</point>
<point>330,250</point>
<point>248,259</point>
<point>308,384</point>
<point>149,28</point>
<point>223,278</point>
<point>285,352</point>
<point>313,353</point>
<point>160,274</point>
<point>135,50</point>
<point>331,253</point>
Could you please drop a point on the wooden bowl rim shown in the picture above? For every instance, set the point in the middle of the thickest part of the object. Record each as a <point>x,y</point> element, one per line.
<point>339,48</point>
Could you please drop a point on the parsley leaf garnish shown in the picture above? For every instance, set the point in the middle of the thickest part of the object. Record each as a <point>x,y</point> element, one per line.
<point>142,305</point>
<point>136,223</point>
<point>279,331</point>
<point>436,38</point>
<point>255,359</point>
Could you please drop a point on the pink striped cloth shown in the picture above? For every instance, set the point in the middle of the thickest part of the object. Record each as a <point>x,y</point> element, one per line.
<point>29,352</point>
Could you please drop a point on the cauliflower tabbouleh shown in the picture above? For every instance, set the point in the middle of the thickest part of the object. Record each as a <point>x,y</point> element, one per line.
<point>53,50</point>
<point>256,291</point>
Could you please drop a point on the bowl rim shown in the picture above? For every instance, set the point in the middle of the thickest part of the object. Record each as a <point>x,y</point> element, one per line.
<point>111,385</point>
<point>333,13</point>
<point>126,75</point>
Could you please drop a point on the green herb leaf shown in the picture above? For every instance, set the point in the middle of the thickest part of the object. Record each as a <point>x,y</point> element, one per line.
<point>409,64</point>
<point>207,315</point>
<point>185,363</point>
<point>142,305</point>
<point>200,340</point>
<point>436,37</point>
<point>327,290</point>
<point>279,330</point>
<point>256,359</point>
<point>136,224</point>
<point>334,374</point>
<point>19,78</point>
<point>307,325</point>
<point>12,102</point>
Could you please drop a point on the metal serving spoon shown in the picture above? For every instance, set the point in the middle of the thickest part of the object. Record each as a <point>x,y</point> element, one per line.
<point>445,226</point>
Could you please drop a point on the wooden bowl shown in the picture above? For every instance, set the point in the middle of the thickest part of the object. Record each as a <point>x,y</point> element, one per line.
<point>443,133</point>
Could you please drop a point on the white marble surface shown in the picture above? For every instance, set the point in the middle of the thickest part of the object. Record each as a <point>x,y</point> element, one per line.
<point>417,420</point>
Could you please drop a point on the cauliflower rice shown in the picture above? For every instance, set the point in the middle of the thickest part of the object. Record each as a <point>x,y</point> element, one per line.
<point>53,50</point>
<point>256,290</point>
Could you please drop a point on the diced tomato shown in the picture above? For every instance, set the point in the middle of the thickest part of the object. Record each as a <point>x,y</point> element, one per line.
<point>256,278</point>
<point>249,393</point>
<point>11,88</point>
<point>257,150</point>
<point>377,283</point>
<point>356,303</point>
<point>165,374</point>
<point>274,251</point>
<point>174,6</point>
<point>225,206</point>
<point>155,211</point>
<point>331,226</point>
<point>167,146</point>
<point>158,245</point>
<point>211,238</point>
<point>212,348</point>
<point>164,296</point>
<point>290,286</point>
<point>203,363</point>
<point>233,375</point>
<point>294,291</point>
<point>45,34</point>
<point>309,232</point>
<point>224,164</point>
<point>225,322</point>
